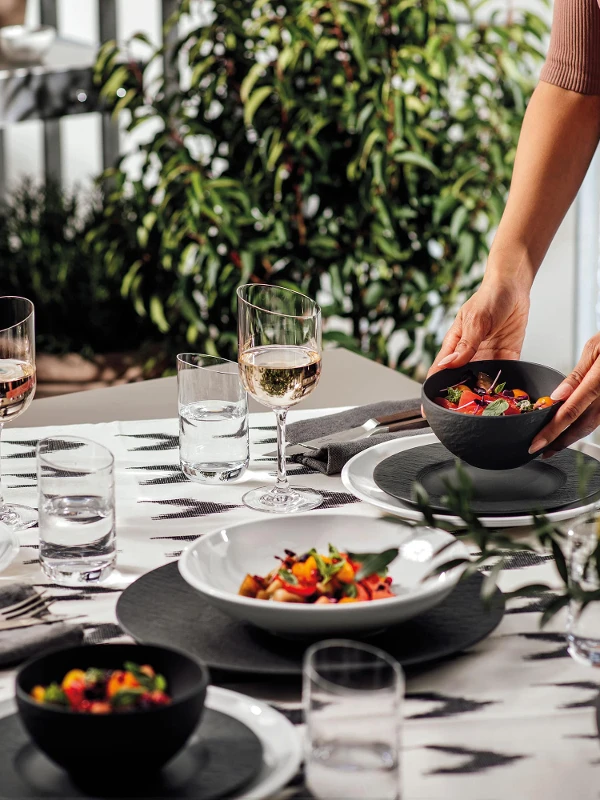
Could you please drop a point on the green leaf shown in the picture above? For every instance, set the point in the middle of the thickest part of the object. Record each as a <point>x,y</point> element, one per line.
<point>288,577</point>
<point>254,74</point>
<point>500,387</point>
<point>495,409</point>
<point>350,590</point>
<point>416,159</point>
<point>374,563</point>
<point>454,395</point>
<point>55,695</point>
<point>254,102</point>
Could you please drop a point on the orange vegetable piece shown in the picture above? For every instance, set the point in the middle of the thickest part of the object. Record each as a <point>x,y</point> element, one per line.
<point>100,707</point>
<point>74,676</point>
<point>544,402</point>
<point>38,693</point>
<point>349,600</point>
<point>346,574</point>
<point>250,587</point>
<point>306,571</point>
<point>146,669</point>
<point>121,680</point>
<point>519,394</point>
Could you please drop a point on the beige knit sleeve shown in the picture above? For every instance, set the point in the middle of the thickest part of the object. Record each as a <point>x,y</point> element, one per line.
<point>574,56</point>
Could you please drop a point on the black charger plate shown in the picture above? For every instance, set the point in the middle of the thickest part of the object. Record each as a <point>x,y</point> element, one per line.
<point>539,486</point>
<point>202,771</point>
<point>160,607</point>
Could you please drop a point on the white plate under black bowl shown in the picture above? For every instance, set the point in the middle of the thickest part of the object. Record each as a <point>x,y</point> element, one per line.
<point>539,486</point>
<point>357,477</point>
<point>202,771</point>
<point>160,607</point>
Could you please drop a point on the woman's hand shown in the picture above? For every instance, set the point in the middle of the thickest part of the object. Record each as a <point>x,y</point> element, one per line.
<point>580,413</point>
<point>490,325</point>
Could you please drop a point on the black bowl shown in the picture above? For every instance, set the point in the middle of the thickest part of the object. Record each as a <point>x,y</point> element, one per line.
<point>127,742</point>
<point>492,442</point>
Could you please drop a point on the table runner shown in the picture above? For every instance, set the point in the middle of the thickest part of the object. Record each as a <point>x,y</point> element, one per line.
<point>513,718</point>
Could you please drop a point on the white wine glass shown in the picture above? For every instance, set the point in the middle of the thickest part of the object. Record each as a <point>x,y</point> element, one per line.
<point>17,386</point>
<point>279,357</point>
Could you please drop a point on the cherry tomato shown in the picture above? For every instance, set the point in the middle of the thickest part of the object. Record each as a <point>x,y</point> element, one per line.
<point>441,401</point>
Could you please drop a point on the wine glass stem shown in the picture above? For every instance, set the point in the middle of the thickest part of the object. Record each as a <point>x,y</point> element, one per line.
<point>282,481</point>
<point>3,508</point>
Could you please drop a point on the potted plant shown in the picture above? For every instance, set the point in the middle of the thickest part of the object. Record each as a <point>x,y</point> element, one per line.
<point>88,335</point>
<point>358,151</point>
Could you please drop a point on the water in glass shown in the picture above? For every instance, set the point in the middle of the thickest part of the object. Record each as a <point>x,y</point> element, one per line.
<point>213,440</point>
<point>76,510</point>
<point>583,621</point>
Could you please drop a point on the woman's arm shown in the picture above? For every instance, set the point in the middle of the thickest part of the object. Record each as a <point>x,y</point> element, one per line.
<point>558,139</point>
<point>560,133</point>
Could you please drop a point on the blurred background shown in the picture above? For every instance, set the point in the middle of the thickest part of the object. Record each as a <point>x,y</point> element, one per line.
<point>154,155</point>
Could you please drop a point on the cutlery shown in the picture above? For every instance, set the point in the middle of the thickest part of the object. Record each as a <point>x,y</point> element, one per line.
<point>31,605</point>
<point>30,622</point>
<point>392,423</point>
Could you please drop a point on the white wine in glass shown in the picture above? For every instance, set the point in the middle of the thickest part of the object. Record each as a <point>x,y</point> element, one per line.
<point>279,340</point>
<point>17,385</point>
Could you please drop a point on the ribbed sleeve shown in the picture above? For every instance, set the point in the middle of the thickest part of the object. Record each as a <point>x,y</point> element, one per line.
<point>574,56</point>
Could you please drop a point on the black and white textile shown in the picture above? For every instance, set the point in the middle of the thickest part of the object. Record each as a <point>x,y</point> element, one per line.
<point>513,719</point>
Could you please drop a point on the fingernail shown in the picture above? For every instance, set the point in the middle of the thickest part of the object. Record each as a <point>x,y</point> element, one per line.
<point>562,392</point>
<point>447,360</point>
<point>537,445</point>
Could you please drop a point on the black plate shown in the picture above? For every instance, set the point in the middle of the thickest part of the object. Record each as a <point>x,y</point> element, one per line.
<point>202,771</point>
<point>160,607</point>
<point>539,486</point>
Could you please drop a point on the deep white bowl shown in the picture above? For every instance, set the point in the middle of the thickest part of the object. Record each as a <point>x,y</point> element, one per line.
<point>216,564</point>
<point>23,45</point>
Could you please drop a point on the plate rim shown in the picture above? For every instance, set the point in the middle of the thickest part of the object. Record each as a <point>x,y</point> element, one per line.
<point>279,774</point>
<point>407,513</point>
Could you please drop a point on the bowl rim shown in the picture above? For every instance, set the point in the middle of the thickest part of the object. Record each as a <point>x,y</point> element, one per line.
<point>23,696</point>
<point>449,578</point>
<point>425,396</point>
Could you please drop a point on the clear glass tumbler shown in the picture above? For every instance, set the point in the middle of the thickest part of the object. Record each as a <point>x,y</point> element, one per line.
<point>583,619</point>
<point>352,696</point>
<point>76,510</point>
<point>213,419</point>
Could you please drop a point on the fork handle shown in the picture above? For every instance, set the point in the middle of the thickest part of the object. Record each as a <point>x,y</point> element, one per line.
<point>399,416</point>
<point>408,425</point>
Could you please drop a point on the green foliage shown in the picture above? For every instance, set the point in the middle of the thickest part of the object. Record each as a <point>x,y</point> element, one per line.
<point>43,256</point>
<point>359,151</point>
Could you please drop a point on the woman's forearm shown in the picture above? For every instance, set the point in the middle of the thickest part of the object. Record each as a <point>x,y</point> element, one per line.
<point>558,139</point>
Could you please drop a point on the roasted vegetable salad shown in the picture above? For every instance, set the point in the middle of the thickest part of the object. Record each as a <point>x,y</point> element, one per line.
<point>480,395</point>
<point>103,691</point>
<point>319,579</point>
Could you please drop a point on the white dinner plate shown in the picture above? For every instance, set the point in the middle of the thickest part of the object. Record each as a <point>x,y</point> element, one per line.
<point>216,564</point>
<point>357,477</point>
<point>9,546</point>
<point>281,742</point>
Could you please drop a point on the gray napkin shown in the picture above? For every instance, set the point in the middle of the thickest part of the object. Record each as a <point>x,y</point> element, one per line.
<point>22,643</point>
<point>331,459</point>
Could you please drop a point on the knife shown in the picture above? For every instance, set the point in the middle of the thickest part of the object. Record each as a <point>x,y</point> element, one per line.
<point>393,423</point>
<point>11,625</point>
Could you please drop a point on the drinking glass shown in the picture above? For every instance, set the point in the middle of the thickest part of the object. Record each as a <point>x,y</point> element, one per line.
<point>279,345</point>
<point>352,697</point>
<point>17,385</point>
<point>76,487</point>
<point>213,418</point>
<point>583,621</point>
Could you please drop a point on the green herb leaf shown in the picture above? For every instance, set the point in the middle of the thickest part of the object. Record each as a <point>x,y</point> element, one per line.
<point>334,552</point>
<point>454,395</point>
<point>125,698</point>
<point>160,683</point>
<point>55,695</point>
<point>288,577</point>
<point>374,563</point>
<point>350,590</point>
<point>321,565</point>
<point>495,409</point>
<point>500,387</point>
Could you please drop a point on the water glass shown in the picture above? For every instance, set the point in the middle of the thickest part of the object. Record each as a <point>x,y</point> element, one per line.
<point>352,696</point>
<point>583,621</point>
<point>213,419</point>
<point>76,488</point>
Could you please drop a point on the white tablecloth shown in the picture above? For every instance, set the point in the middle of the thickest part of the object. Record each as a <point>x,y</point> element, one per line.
<point>514,719</point>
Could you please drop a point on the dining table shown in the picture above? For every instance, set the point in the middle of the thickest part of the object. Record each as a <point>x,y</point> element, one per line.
<point>512,718</point>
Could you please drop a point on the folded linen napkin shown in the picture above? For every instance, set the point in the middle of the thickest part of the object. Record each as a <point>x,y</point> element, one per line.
<point>331,459</point>
<point>22,643</point>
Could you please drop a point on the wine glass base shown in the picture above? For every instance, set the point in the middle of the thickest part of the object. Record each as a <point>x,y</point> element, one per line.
<point>274,501</point>
<point>18,517</point>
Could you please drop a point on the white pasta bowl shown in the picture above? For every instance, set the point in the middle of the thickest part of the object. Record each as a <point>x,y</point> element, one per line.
<point>216,564</point>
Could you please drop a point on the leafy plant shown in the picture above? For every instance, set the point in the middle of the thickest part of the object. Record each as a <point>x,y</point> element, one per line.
<point>43,256</point>
<point>358,151</point>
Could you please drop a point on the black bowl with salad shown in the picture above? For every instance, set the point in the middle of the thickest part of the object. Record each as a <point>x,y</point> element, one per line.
<point>488,412</point>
